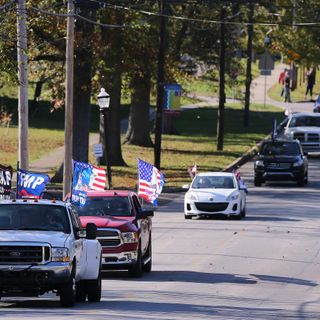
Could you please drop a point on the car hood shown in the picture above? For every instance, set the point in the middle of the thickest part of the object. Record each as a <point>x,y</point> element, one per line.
<point>54,238</point>
<point>303,129</point>
<point>280,158</point>
<point>212,194</point>
<point>121,223</point>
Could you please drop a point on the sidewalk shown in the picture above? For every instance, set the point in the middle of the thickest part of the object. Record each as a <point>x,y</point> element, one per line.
<point>262,84</point>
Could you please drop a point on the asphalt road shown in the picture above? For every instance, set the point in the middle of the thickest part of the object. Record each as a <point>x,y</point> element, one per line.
<point>266,266</point>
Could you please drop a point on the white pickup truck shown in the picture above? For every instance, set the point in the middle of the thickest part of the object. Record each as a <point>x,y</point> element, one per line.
<point>43,248</point>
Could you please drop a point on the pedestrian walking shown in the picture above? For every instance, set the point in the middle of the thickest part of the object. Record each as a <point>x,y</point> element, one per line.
<point>287,85</point>
<point>281,80</point>
<point>311,79</point>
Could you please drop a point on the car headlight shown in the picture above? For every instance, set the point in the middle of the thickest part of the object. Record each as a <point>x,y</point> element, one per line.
<point>233,196</point>
<point>259,163</point>
<point>191,196</point>
<point>130,237</point>
<point>60,254</point>
<point>298,163</point>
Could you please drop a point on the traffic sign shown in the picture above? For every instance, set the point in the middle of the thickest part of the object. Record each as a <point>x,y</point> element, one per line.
<point>98,150</point>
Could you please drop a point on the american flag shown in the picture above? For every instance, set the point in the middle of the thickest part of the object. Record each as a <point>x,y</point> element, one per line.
<point>98,179</point>
<point>151,182</point>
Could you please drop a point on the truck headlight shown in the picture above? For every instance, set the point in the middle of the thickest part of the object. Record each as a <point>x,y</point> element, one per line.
<point>298,163</point>
<point>130,237</point>
<point>191,196</point>
<point>60,254</point>
<point>233,196</point>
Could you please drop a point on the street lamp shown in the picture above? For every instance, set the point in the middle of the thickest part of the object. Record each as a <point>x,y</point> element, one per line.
<point>104,103</point>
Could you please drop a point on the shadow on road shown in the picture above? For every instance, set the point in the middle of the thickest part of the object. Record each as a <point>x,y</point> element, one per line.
<point>296,281</point>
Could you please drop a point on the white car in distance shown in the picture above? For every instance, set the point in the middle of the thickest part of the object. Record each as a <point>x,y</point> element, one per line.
<point>215,193</point>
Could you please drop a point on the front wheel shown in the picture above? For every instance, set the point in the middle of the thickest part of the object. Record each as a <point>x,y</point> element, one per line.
<point>257,182</point>
<point>81,291</point>
<point>301,181</point>
<point>187,217</point>
<point>135,271</point>
<point>148,256</point>
<point>94,289</point>
<point>67,296</point>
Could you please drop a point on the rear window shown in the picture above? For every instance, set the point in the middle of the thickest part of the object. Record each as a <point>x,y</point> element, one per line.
<point>305,121</point>
<point>34,217</point>
<point>106,206</point>
<point>280,148</point>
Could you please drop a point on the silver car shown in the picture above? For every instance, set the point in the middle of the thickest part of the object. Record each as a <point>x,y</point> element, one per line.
<point>304,127</point>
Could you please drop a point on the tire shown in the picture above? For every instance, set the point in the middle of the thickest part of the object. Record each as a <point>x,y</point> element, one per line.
<point>148,266</point>
<point>67,294</point>
<point>135,271</point>
<point>300,181</point>
<point>81,291</point>
<point>94,289</point>
<point>257,182</point>
<point>306,180</point>
<point>187,217</point>
<point>243,213</point>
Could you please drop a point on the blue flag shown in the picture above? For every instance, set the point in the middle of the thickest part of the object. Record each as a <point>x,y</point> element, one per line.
<point>31,184</point>
<point>82,174</point>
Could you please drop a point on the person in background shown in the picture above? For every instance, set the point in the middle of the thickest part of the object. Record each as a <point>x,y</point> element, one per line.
<point>281,80</point>
<point>287,84</point>
<point>311,79</point>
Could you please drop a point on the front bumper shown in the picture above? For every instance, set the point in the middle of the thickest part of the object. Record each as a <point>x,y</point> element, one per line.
<point>280,175</point>
<point>33,278</point>
<point>119,260</point>
<point>229,208</point>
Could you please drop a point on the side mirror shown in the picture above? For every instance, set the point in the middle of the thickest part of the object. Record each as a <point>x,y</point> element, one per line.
<point>91,231</point>
<point>143,214</point>
<point>186,186</point>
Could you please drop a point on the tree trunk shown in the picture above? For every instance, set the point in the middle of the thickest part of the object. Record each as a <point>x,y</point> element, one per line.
<point>139,126</point>
<point>113,87</point>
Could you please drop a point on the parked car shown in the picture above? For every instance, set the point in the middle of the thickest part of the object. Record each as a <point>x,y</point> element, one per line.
<point>304,127</point>
<point>213,193</point>
<point>42,249</point>
<point>281,160</point>
<point>124,229</point>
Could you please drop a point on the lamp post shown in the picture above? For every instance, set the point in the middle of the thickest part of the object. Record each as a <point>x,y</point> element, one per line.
<point>104,103</point>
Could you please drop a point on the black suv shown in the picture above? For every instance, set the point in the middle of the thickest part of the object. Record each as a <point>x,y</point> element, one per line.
<point>281,160</point>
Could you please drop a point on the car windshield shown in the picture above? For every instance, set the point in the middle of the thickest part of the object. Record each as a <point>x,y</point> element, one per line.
<point>305,121</point>
<point>34,217</point>
<point>218,182</point>
<point>280,149</point>
<point>106,206</point>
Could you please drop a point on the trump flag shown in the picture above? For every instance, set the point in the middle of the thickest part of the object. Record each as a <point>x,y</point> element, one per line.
<point>151,182</point>
<point>31,184</point>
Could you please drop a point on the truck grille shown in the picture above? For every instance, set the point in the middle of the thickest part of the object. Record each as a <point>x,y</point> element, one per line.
<point>313,137</point>
<point>109,237</point>
<point>19,254</point>
<point>299,136</point>
<point>211,207</point>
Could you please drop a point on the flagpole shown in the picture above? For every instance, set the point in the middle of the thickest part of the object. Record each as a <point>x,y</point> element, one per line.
<point>18,165</point>
<point>73,163</point>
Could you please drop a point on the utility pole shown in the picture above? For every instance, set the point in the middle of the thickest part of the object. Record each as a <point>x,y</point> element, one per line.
<point>160,88</point>
<point>222,95</point>
<point>23,114</point>
<point>249,63</point>
<point>68,123</point>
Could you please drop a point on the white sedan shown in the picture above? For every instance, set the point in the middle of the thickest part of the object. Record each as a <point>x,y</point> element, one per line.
<point>215,193</point>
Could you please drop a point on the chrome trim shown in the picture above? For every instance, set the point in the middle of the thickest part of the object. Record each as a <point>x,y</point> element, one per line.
<point>122,258</point>
<point>111,237</point>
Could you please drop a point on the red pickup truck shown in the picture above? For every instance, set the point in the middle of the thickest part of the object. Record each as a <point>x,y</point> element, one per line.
<point>123,229</point>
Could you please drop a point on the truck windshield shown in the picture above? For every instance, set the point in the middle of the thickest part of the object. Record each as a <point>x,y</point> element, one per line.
<point>106,206</point>
<point>280,149</point>
<point>34,217</point>
<point>305,121</point>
